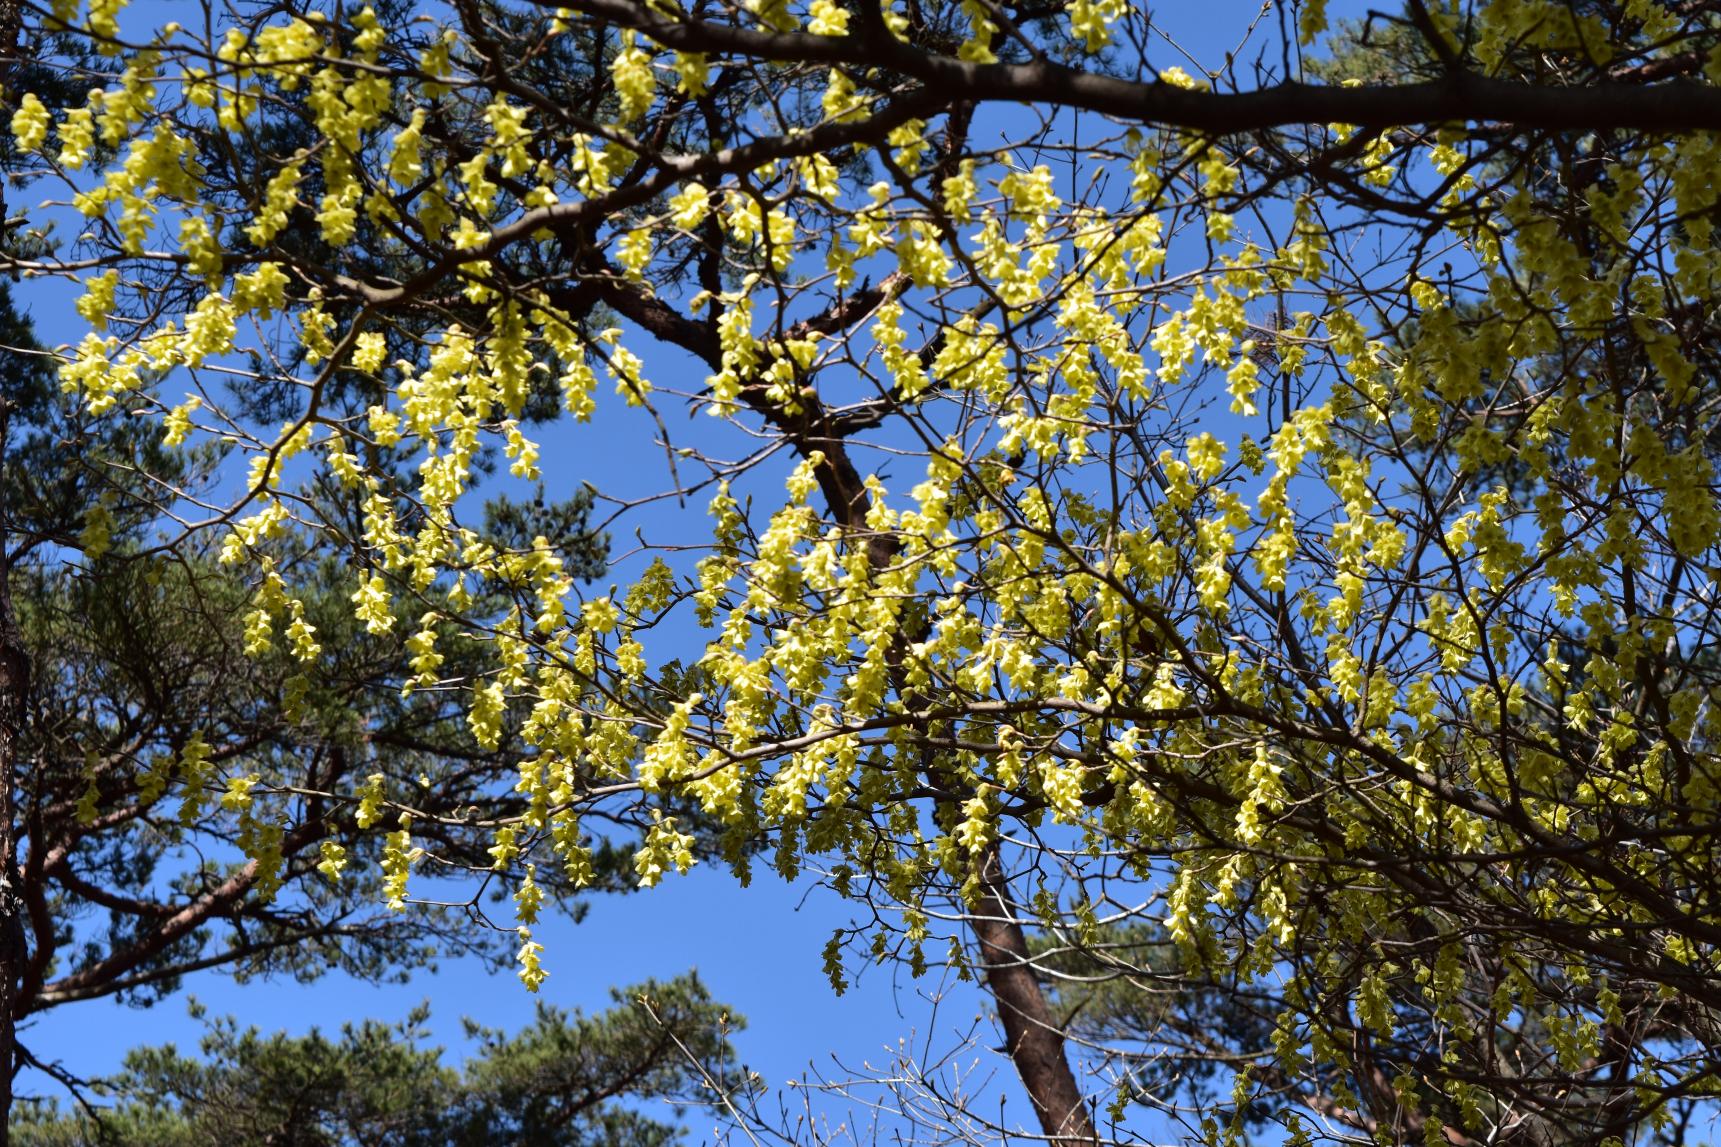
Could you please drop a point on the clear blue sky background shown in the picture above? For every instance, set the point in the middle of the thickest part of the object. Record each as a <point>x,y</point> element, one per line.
<point>758,949</point>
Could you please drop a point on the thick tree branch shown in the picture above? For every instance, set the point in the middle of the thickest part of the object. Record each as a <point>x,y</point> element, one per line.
<point>1462,97</point>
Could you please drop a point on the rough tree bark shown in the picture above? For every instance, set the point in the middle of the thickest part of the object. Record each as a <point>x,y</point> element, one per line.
<point>14,687</point>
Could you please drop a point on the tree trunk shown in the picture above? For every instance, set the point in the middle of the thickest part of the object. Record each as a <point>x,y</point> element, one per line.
<point>1032,1036</point>
<point>14,688</point>
<point>14,684</point>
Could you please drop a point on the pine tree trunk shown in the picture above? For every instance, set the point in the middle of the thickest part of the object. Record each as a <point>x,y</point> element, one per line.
<point>14,688</point>
<point>1033,1038</point>
<point>14,685</point>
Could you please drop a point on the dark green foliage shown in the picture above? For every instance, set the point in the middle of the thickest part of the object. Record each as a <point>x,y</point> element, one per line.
<point>622,1077</point>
